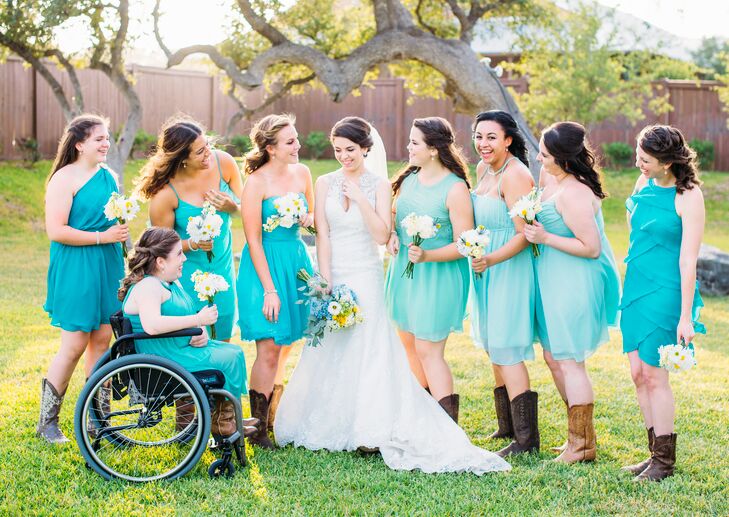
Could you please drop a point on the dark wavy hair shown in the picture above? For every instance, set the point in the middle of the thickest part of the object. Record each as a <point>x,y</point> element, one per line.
<point>355,129</point>
<point>518,146</point>
<point>567,143</point>
<point>78,130</point>
<point>154,242</point>
<point>668,145</point>
<point>437,134</point>
<point>173,148</point>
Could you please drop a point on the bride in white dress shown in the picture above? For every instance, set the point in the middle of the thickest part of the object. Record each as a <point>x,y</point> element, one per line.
<point>356,389</point>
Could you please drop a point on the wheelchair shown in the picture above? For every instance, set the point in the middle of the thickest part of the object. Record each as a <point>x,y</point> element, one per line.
<point>128,421</point>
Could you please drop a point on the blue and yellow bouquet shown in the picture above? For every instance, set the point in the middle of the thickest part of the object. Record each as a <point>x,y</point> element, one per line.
<point>329,310</point>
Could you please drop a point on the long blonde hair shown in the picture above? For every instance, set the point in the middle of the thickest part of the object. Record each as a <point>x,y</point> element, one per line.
<point>173,148</point>
<point>78,130</point>
<point>265,133</point>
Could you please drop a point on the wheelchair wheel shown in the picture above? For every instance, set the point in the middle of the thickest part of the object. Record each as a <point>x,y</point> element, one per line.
<point>125,420</point>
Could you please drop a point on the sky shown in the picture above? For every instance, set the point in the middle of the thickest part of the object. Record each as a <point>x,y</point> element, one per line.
<point>187,22</point>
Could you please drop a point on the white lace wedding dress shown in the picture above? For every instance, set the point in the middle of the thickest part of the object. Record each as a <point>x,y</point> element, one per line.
<point>356,388</point>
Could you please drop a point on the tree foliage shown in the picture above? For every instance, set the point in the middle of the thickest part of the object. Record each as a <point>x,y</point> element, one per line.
<point>712,56</point>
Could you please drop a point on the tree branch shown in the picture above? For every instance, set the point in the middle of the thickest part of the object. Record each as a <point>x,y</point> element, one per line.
<point>72,75</point>
<point>260,25</point>
<point>421,20</point>
<point>160,42</point>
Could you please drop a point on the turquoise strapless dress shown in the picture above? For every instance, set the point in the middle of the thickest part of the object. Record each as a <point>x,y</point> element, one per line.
<point>222,263</point>
<point>432,304</point>
<point>216,355</point>
<point>503,298</point>
<point>286,254</point>
<point>83,281</point>
<point>578,297</point>
<point>651,304</point>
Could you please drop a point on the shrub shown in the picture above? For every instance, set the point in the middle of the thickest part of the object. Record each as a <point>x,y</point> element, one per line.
<point>704,152</point>
<point>618,155</point>
<point>29,148</point>
<point>240,145</point>
<point>316,143</point>
<point>143,143</point>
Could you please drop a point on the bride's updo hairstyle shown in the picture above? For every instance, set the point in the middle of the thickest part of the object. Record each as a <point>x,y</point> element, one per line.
<point>154,242</point>
<point>667,145</point>
<point>439,135</point>
<point>264,133</point>
<point>355,129</point>
<point>567,143</point>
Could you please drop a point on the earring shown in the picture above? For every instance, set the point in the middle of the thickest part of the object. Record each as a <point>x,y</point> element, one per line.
<point>184,165</point>
<point>432,157</point>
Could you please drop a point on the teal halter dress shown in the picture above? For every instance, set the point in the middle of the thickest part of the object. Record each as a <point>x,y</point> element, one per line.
<point>216,355</point>
<point>83,281</point>
<point>578,297</point>
<point>651,304</point>
<point>503,298</point>
<point>286,254</point>
<point>222,263</point>
<point>432,304</point>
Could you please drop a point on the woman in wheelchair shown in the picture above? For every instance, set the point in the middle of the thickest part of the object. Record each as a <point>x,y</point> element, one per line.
<point>155,303</point>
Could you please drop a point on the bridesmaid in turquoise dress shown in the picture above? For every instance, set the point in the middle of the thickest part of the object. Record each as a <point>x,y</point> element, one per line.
<point>503,296</point>
<point>269,305</point>
<point>432,304</point>
<point>156,303</point>
<point>661,302</point>
<point>86,261</point>
<point>179,178</point>
<point>578,281</point>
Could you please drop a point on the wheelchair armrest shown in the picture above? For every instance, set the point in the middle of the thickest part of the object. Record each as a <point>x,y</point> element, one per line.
<point>178,333</point>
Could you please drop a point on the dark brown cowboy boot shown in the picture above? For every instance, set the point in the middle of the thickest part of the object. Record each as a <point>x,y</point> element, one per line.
<point>273,404</point>
<point>581,440</point>
<point>640,467</point>
<point>259,410</point>
<point>50,407</point>
<point>525,421</point>
<point>449,403</point>
<point>663,460</point>
<point>503,414</point>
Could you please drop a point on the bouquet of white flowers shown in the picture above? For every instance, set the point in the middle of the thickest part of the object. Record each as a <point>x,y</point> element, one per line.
<point>419,227</point>
<point>472,243</point>
<point>527,207</point>
<point>205,227</point>
<point>327,312</point>
<point>207,285</point>
<point>122,209</point>
<point>677,358</point>
<point>291,209</point>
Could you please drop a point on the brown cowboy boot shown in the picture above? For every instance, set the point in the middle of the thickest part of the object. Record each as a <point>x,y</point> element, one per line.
<point>50,407</point>
<point>525,419</point>
<point>449,403</point>
<point>503,414</point>
<point>640,467</point>
<point>273,404</point>
<point>223,424</point>
<point>184,413</point>
<point>259,410</point>
<point>663,460</point>
<point>581,441</point>
<point>562,447</point>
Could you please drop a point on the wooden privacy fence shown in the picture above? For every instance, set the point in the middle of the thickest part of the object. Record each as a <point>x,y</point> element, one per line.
<point>29,109</point>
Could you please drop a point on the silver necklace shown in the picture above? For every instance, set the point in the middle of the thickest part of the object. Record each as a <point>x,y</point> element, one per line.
<point>492,173</point>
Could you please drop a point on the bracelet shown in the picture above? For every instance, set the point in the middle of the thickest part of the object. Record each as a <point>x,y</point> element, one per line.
<point>269,291</point>
<point>189,245</point>
<point>97,237</point>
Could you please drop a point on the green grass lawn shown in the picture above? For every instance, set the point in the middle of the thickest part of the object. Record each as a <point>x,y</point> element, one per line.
<point>37,478</point>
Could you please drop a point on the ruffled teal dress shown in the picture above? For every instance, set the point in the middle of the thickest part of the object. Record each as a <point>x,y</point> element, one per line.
<point>222,263</point>
<point>432,304</point>
<point>216,355</point>
<point>286,254</point>
<point>503,298</point>
<point>651,304</point>
<point>578,297</point>
<point>83,281</point>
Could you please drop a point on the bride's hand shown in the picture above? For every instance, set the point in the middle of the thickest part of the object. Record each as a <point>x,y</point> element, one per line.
<point>352,191</point>
<point>393,245</point>
<point>307,220</point>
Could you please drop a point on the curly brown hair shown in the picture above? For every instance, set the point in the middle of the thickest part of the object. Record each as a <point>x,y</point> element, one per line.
<point>668,145</point>
<point>437,134</point>
<point>173,148</point>
<point>263,134</point>
<point>154,242</point>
